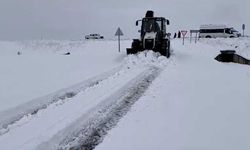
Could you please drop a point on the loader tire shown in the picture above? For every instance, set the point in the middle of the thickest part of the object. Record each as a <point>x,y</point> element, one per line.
<point>165,48</point>
<point>168,49</point>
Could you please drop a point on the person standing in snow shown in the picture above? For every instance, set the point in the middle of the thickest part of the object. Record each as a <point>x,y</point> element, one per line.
<point>179,34</point>
<point>175,35</point>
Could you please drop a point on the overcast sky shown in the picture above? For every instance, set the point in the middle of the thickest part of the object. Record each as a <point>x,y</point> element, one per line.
<point>72,19</point>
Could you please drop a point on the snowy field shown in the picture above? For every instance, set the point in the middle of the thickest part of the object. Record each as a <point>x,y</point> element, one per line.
<point>49,100</point>
<point>43,69</point>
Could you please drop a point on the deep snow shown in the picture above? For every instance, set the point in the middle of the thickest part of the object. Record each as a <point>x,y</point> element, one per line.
<point>195,103</point>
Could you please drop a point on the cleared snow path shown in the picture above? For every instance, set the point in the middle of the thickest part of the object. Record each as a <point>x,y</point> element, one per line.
<point>15,116</point>
<point>88,131</point>
<point>79,116</point>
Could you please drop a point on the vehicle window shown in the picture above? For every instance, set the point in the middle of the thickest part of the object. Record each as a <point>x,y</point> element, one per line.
<point>151,25</point>
<point>228,31</point>
<point>233,30</point>
<point>159,24</point>
<point>212,31</point>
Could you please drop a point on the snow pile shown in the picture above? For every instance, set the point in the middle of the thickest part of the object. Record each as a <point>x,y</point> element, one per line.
<point>240,45</point>
<point>147,58</point>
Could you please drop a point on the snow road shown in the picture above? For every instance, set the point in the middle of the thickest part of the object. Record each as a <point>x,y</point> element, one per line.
<point>57,116</point>
<point>10,116</point>
<point>70,117</point>
<point>194,103</point>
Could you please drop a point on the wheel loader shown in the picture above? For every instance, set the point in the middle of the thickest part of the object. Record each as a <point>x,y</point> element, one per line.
<point>153,35</point>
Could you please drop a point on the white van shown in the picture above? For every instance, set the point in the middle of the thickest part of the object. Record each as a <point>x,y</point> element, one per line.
<point>94,36</point>
<point>215,31</point>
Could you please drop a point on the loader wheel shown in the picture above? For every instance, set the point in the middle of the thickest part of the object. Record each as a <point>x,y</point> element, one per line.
<point>163,52</point>
<point>168,49</point>
<point>165,49</point>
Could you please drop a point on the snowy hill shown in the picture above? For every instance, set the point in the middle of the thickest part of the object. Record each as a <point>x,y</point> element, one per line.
<point>49,100</point>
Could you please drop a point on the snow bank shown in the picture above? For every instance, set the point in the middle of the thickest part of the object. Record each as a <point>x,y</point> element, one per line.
<point>240,45</point>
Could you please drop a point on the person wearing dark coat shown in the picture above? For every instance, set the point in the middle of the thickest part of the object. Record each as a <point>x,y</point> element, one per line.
<point>179,34</point>
<point>175,35</point>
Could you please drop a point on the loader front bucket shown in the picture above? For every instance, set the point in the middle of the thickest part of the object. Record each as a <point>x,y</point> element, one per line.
<point>131,51</point>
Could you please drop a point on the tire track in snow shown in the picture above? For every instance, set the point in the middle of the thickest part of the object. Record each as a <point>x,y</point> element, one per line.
<point>84,126</point>
<point>23,113</point>
<point>90,132</point>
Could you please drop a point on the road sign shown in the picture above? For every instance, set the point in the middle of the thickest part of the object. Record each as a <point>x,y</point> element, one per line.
<point>243,28</point>
<point>183,32</point>
<point>119,33</point>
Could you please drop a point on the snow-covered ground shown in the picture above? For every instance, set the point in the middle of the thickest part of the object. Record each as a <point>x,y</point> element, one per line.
<point>42,68</point>
<point>240,45</point>
<point>196,103</point>
<point>47,98</point>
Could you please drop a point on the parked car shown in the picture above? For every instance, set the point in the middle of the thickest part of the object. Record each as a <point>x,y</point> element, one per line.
<point>94,36</point>
<point>215,31</point>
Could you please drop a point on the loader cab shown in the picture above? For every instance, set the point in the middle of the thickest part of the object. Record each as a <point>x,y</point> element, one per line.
<point>153,35</point>
<point>152,24</point>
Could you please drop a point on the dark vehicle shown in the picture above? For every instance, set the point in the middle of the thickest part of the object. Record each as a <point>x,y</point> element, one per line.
<point>153,36</point>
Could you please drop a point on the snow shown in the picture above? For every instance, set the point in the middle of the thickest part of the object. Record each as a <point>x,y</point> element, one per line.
<point>195,103</point>
<point>48,122</point>
<point>42,69</point>
<point>241,45</point>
